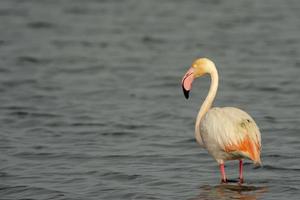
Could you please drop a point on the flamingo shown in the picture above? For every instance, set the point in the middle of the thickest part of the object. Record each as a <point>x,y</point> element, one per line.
<point>227,133</point>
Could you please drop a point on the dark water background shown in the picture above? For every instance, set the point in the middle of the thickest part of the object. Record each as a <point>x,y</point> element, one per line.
<point>91,105</point>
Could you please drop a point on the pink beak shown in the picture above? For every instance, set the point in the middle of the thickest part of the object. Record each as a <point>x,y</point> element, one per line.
<point>187,81</point>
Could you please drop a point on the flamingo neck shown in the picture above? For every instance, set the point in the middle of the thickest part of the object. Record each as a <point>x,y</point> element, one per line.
<point>207,102</point>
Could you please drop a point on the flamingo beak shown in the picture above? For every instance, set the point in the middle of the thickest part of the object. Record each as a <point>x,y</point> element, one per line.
<point>187,81</point>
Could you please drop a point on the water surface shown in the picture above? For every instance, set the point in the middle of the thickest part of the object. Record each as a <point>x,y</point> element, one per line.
<point>91,105</point>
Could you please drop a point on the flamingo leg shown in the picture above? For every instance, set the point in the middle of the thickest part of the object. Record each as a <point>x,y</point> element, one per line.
<point>241,172</point>
<point>223,175</point>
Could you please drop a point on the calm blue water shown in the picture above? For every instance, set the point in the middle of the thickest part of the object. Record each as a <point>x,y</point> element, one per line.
<point>91,105</point>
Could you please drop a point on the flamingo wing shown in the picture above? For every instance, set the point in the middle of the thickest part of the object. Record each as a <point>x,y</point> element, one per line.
<point>233,131</point>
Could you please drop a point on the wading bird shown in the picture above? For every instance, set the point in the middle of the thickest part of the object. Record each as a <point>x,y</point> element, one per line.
<point>227,133</point>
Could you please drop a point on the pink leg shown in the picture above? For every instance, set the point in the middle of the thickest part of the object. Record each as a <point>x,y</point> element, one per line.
<point>223,175</point>
<point>241,172</point>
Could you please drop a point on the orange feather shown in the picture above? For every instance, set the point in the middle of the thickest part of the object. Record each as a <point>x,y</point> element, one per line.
<point>247,146</point>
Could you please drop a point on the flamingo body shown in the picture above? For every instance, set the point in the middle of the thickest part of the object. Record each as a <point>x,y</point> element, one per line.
<point>227,133</point>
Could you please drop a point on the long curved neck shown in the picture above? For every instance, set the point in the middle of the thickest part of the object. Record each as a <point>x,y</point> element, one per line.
<point>207,102</point>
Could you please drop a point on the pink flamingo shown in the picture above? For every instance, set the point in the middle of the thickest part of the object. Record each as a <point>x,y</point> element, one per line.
<point>227,133</point>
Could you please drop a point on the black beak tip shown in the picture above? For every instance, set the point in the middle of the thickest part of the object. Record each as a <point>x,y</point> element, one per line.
<point>185,92</point>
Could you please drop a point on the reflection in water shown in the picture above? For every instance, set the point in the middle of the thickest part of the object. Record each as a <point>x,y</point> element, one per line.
<point>228,191</point>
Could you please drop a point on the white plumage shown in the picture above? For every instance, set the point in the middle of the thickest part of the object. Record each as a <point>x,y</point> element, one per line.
<point>225,127</point>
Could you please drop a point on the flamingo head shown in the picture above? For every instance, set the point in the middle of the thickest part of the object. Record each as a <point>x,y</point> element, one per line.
<point>200,67</point>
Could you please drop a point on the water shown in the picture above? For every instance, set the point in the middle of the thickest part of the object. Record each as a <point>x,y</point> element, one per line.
<point>91,105</point>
